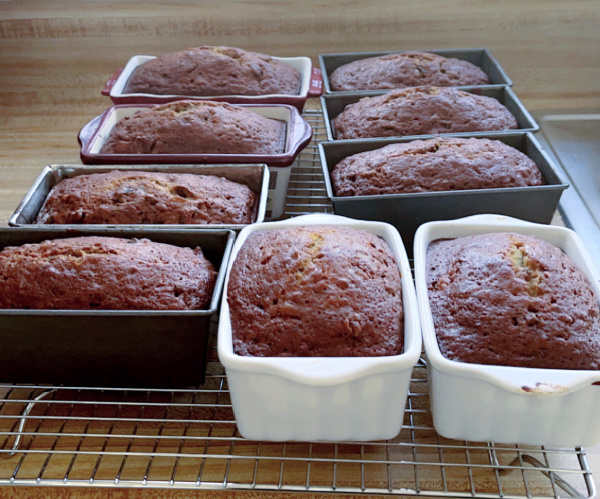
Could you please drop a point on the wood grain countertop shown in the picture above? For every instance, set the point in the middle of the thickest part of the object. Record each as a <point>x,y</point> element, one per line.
<point>55,57</point>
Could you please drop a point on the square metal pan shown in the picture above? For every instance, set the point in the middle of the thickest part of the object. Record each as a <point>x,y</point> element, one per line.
<point>132,348</point>
<point>408,211</point>
<point>480,57</point>
<point>256,177</point>
<point>334,104</point>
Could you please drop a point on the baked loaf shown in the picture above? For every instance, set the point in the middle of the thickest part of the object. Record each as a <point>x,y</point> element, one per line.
<point>421,110</point>
<point>512,300</point>
<point>438,164</point>
<point>209,71</point>
<point>85,273</point>
<point>196,127</point>
<point>120,197</point>
<point>322,291</point>
<point>409,69</point>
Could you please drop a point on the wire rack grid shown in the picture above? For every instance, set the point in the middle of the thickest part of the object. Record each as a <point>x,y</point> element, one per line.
<point>187,438</point>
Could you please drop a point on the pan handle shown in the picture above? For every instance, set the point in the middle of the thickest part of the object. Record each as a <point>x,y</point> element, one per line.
<point>89,131</point>
<point>300,135</point>
<point>316,83</point>
<point>111,82</point>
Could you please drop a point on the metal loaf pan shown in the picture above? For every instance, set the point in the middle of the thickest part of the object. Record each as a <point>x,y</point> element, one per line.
<point>132,348</point>
<point>256,177</point>
<point>334,104</point>
<point>408,211</point>
<point>480,57</point>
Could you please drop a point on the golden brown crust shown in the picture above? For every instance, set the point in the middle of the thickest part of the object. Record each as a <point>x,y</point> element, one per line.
<point>421,110</point>
<point>438,164</point>
<point>407,69</point>
<point>118,197</point>
<point>315,291</point>
<point>210,71</point>
<point>104,273</point>
<point>513,300</point>
<point>196,127</point>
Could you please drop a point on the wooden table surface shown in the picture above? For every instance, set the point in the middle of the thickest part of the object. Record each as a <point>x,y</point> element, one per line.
<point>55,57</point>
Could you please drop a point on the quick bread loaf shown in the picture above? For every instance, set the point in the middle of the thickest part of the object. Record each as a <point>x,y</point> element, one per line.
<point>437,164</point>
<point>104,273</point>
<point>129,197</point>
<point>510,299</point>
<point>324,291</point>
<point>421,110</point>
<point>214,70</point>
<point>406,69</point>
<point>196,127</point>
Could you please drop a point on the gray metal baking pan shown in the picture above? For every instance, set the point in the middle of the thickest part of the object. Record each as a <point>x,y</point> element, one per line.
<point>132,348</point>
<point>334,104</point>
<point>480,57</point>
<point>572,137</point>
<point>408,211</point>
<point>256,177</point>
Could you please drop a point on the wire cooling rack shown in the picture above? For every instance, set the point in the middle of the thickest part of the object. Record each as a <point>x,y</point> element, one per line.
<point>187,439</point>
<point>306,191</point>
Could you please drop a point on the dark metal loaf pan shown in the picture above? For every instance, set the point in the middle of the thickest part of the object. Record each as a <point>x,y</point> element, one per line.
<point>334,104</point>
<point>407,212</point>
<point>256,177</point>
<point>114,348</point>
<point>480,57</point>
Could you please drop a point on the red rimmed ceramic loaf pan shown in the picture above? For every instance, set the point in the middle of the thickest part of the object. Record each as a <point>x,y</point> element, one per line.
<point>311,86</point>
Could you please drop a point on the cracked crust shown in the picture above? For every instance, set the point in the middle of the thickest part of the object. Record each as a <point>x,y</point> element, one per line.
<point>438,164</point>
<point>322,291</point>
<point>196,127</point>
<point>513,300</point>
<point>421,110</point>
<point>148,198</point>
<point>104,273</point>
<point>210,71</point>
<point>409,69</point>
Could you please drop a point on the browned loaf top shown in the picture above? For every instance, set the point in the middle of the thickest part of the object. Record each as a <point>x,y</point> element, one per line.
<point>322,291</point>
<point>196,127</point>
<point>87,273</point>
<point>209,71</point>
<point>408,69</point>
<point>512,300</point>
<point>438,164</point>
<point>421,110</point>
<point>120,197</point>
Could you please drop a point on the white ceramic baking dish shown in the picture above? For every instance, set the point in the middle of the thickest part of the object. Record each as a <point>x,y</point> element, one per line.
<point>311,85</point>
<point>507,404</point>
<point>322,398</point>
<point>95,133</point>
